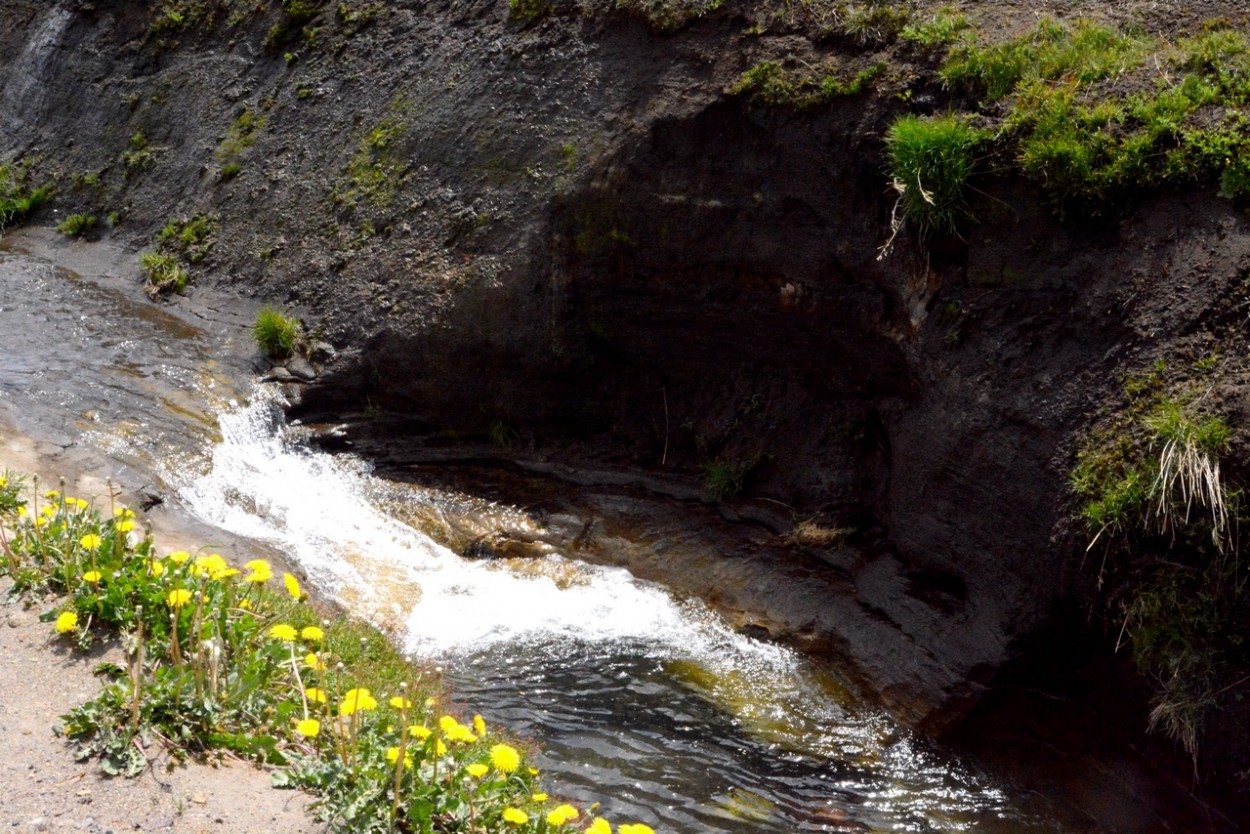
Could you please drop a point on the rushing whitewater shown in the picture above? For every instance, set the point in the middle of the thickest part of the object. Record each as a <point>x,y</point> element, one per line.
<point>602,666</point>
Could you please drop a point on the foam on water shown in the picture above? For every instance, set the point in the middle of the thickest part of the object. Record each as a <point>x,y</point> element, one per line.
<point>317,508</point>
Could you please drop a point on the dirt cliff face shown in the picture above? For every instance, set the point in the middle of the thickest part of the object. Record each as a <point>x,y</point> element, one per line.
<point>562,235</point>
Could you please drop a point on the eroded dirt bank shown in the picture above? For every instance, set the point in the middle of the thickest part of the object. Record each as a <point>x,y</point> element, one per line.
<point>559,244</point>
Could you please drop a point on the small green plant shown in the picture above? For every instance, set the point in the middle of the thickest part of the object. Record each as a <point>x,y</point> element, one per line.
<point>230,170</point>
<point>931,160</point>
<point>528,9</point>
<point>877,21</point>
<point>724,479</point>
<point>164,273</point>
<point>943,27</point>
<point>77,224</point>
<point>18,196</point>
<point>667,15</point>
<point>771,84</point>
<point>276,334</point>
<point>139,156</point>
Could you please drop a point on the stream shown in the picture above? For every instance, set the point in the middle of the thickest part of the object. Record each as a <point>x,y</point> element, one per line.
<point>638,699</point>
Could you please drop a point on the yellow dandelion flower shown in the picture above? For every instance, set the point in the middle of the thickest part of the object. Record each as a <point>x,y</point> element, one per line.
<point>227,573</point>
<point>21,511</point>
<point>179,557</point>
<point>178,598</point>
<point>261,571</point>
<point>479,725</point>
<point>156,569</point>
<point>92,576</point>
<point>392,756</point>
<point>40,521</point>
<point>311,661</point>
<point>4,482</point>
<point>124,513</point>
<point>636,828</point>
<point>313,634</point>
<point>419,732</point>
<point>440,748</point>
<point>357,700</point>
<point>292,585</point>
<point>533,771</point>
<point>505,758</point>
<point>477,770</point>
<point>453,730</point>
<point>125,525</point>
<point>282,631</point>
<point>314,694</point>
<point>308,728</point>
<point>81,504</point>
<point>539,797</point>
<point>245,604</point>
<point>90,542</point>
<point>400,703</point>
<point>52,495</point>
<point>212,566</point>
<point>66,622</point>
<point>599,826</point>
<point>48,509</point>
<point>515,816</point>
<point>562,814</point>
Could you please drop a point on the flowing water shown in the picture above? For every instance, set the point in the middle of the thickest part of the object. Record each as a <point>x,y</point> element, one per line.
<point>637,699</point>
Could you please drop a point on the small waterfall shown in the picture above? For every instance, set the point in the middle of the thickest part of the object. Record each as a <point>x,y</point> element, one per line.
<point>26,77</point>
<point>646,702</point>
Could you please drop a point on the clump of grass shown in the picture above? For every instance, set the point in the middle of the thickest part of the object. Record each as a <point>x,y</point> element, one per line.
<point>164,274</point>
<point>76,224</point>
<point>139,156</point>
<point>667,15</point>
<point>877,21</point>
<point>225,657</point>
<point>1053,52</point>
<point>18,195</point>
<point>724,479</point>
<point>931,162</point>
<point>772,84</point>
<point>943,27</point>
<point>276,334</point>
<point>528,9</point>
<point>189,238</point>
<point>1153,495</point>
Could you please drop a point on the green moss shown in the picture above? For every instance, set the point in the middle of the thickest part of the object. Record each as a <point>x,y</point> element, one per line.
<point>378,167</point>
<point>241,135</point>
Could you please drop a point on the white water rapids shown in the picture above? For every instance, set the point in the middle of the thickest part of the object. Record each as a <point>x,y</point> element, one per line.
<point>493,620</point>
